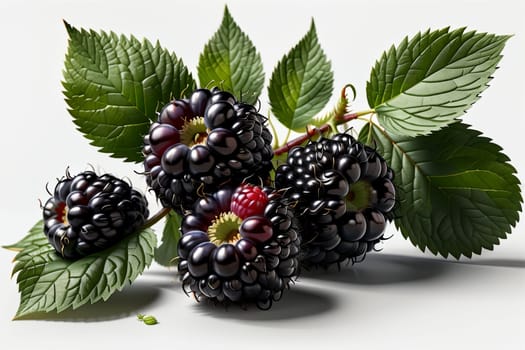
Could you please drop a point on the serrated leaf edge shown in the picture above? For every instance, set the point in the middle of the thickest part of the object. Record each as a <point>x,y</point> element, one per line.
<point>424,246</point>
<point>310,39</point>
<point>384,107</point>
<point>255,78</point>
<point>128,275</point>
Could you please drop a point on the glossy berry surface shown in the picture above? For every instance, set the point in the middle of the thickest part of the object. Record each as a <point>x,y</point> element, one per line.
<point>88,213</point>
<point>345,197</point>
<point>248,200</point>
<point>225,257</point>
<point>200,143</point>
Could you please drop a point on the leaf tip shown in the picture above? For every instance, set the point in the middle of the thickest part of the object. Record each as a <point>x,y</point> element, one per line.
<point>20,314</point>
<point>12,248</point>
<point>69,28</point>
<point>312,26</point>
<point>227,15</point>
<point>505,37</point>
<point>23,314</point>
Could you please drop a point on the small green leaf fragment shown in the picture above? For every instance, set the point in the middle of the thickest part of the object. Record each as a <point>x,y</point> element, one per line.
<point>149,320</point>
<point>301,83</point>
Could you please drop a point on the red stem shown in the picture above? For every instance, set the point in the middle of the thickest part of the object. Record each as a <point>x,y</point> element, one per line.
<point>313,132</point>
<point>347,117</point>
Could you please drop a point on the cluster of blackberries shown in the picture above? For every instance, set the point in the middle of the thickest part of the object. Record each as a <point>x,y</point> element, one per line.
<point>209,158</point>
<point>244,234</point>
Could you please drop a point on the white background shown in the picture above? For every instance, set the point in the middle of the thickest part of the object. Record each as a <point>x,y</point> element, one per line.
<point>400,297</point>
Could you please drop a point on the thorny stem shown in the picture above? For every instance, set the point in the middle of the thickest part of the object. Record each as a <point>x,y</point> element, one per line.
<point>351,116</point>
<point>319,131</point>
<point>299,140</point>
<point>156,217</point>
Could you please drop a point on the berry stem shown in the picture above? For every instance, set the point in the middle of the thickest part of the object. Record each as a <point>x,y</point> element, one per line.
<point>156,217</point>
<point>299,140</point>
<point>319,131</point>
<point>351,116</point>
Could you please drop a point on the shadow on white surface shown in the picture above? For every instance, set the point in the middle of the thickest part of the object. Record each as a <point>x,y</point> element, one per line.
<point>297,302</point>
<point>494,262</point>
<point>163,278</point>
<point>380,268</point>
<point>129,301</point>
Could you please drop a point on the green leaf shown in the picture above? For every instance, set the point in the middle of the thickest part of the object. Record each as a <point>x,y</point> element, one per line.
<point>30,240</point>
<point>49,283</point>
<point>166,253</point>
<point>230,60</point>
<point>301,84</point>
<point>425,83</point>
<point>34,250</point>
<point>115,85</point>
<point>457,191</point>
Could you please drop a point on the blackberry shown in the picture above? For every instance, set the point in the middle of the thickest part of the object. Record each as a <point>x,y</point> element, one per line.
<point>345,197</point>
<point>230,253</point>
<point>200,143</point>
<point>88,213</point>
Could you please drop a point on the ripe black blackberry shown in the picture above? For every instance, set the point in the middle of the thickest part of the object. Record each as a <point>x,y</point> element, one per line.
<point>202,142</point>
<point>345,197</point>
<point>234,251</point>
<point>88,213</point>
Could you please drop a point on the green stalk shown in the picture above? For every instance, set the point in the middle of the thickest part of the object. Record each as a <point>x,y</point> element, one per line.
<point>156,217</point>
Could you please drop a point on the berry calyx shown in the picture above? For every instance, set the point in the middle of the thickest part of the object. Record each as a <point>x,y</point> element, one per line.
<point>360,196</point>
<point>224,229</point>
<point>194,132</point>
